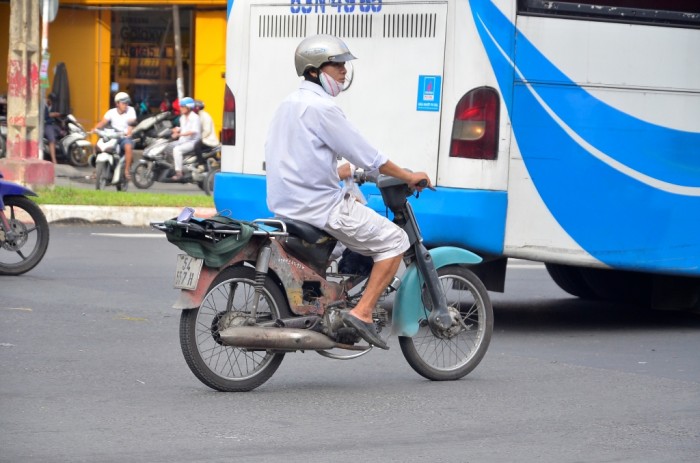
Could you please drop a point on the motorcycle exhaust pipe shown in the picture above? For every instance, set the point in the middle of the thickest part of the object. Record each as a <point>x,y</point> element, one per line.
<point>264,338</point>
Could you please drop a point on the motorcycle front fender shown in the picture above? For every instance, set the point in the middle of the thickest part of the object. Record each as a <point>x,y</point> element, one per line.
<point>408,305</point>
<point>104,157</point>
<point>12,189</point>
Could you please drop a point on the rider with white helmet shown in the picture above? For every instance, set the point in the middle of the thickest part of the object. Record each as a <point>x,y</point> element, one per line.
<point>308,134</point>
<point>188,134</point>
<point>122,118</point>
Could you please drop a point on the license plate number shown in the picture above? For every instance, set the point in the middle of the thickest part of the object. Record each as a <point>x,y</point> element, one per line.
<point>187,271</point>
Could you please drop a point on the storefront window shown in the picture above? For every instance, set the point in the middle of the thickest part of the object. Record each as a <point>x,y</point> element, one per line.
<point>143,57</point>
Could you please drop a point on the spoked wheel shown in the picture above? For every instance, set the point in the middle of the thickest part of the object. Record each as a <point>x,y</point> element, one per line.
<point>101,176</point>
<point>143,176</point>
<point>456,352</point>
<point>228,303</point>
<point>22,246</point>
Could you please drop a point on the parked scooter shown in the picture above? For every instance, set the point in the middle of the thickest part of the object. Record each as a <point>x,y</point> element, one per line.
<point>72,143</point>
<point>156,164</point>
<point>145,133</point>
<point>24,231</point>
<point>252,292</point>
<point>108,161</point>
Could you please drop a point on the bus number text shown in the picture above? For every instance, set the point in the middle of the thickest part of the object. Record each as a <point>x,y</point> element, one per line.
<point>339,6</point>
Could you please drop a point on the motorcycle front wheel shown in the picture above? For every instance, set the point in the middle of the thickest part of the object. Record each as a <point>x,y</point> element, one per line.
<point>24,245</point>
<point>101,176</point>
<point>143,177</point>
<point>456,352</point>
<point>228,303</point>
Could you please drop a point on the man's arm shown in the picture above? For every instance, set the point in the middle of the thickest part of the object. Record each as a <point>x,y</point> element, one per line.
<point>411,178</point>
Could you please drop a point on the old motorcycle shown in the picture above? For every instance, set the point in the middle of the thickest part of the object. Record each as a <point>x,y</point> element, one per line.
<point>24,231</point>
<point>253,292</point>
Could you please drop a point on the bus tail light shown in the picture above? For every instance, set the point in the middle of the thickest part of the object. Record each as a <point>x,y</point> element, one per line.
<point>228,128</point>
<point>475,126</point>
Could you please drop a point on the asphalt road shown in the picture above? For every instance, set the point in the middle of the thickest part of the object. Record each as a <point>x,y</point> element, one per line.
<point>91,371</point>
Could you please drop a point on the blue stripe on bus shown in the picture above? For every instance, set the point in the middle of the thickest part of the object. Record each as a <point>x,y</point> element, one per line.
<point>620,220</point>
<point>473,219</point>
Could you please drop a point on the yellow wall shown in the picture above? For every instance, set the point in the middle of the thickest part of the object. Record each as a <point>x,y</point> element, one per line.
<point>210,62</point>
<point>81,39</point>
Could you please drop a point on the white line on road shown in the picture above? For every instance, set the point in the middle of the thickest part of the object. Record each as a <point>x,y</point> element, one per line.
<point>130,235</point>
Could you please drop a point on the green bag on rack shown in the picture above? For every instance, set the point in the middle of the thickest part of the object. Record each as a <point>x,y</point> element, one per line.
<point>196,243</point>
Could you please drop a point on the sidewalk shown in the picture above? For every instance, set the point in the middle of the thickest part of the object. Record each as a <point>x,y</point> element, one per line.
<point>128,216</point>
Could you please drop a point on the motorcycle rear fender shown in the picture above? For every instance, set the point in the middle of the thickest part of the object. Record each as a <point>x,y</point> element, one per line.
<point>72,138</point>
<point>408,306</point>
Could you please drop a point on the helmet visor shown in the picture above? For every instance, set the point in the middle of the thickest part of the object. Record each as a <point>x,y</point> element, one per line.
<point>341,58</point>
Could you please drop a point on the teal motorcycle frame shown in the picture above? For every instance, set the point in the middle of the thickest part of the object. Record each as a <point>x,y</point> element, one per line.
<point>275,295</point>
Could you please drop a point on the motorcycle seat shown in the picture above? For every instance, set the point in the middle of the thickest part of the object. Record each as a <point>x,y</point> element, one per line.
<point>307,232</point>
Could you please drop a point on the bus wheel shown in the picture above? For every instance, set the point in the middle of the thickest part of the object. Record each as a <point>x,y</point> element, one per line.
<point>571,280</point>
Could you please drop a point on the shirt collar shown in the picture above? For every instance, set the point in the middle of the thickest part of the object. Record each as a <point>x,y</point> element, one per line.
<point>317,89</point>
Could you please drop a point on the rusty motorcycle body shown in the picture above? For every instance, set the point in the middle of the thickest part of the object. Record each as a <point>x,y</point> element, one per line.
<point>278,295</point>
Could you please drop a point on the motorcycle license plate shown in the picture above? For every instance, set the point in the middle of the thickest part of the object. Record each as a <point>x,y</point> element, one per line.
<point>187,271</point>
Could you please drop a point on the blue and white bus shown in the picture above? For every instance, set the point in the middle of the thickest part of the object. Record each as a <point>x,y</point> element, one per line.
<point>556,131</point>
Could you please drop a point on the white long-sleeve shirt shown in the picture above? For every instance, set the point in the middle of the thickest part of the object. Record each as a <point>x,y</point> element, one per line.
<point>307,135</point>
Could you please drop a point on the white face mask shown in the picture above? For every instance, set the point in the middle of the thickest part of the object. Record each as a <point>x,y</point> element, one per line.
<point>330,85</point>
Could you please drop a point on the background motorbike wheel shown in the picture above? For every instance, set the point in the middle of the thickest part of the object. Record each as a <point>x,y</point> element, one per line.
<point>101,176</point>
<point>78,156</point>
<point>2,147</point>
<point>142,177</point>
<point>209,182</point>
<point>26,250</point>
<point>457,354</point>
<point>228,301</point>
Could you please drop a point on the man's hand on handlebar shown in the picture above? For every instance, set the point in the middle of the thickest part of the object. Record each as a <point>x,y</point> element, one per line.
<point>419,181</point>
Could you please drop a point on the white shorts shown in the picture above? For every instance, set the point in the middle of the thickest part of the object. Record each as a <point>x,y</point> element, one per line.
<point>364,231</point>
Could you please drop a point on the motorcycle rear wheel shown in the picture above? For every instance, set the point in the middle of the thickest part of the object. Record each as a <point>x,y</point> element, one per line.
<point>230,297</point>
<point>143,178</point>
<point>457,354</point>
<point>27,249</point>
<point>209,182</point>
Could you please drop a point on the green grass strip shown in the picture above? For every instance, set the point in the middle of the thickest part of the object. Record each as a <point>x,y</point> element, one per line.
<point>86,197</point>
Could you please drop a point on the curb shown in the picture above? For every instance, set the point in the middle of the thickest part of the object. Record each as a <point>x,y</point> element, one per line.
<point>127,216</point>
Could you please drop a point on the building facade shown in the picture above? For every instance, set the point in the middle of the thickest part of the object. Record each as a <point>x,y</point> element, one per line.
<point>109,46</point>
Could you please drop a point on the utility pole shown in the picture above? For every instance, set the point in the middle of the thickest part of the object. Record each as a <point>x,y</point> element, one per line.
<point>178,52</point>
<point>23,106</point>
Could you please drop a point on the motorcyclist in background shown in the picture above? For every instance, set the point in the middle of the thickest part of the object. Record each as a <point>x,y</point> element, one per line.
<point>122,118</point>
<point>187,135</point>
<point>51,127</point>
<point>209,136</point>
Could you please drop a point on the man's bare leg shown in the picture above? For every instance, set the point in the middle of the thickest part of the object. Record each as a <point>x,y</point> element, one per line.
<point>127,165</point>
<point>382,273</point>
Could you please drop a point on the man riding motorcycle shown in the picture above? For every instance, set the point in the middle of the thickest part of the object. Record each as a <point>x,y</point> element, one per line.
<point>308,134</point>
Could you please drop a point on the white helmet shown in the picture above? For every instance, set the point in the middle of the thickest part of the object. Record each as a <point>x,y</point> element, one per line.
<point>313,51</point>
<point>122,97</point>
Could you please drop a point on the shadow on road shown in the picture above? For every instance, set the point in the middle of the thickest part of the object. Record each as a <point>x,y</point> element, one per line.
<point>582,315</point>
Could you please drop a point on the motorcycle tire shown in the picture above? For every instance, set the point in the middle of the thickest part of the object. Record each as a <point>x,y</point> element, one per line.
<point>78,156</point>
<point>209,182</point>
<point>26,251</point>
<point>228,300</point>
<point>142,178</point>
<point>101,176</point>
<point>453,354</point>
<point>3,147</point>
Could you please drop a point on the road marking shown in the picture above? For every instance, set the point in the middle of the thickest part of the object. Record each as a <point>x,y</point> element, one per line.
<point>20,309</point>
<point>129,235</point>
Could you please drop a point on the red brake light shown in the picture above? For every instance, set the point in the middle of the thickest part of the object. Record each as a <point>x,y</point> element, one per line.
<point>228,128</point>
<point>475,127</point>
